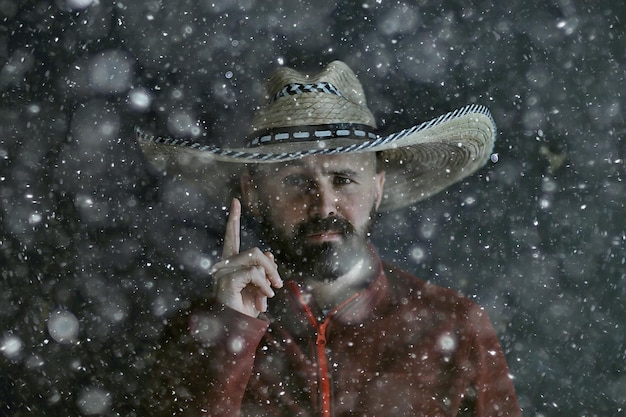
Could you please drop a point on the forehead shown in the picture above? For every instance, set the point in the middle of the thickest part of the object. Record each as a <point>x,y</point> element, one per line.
<point>356,162</point>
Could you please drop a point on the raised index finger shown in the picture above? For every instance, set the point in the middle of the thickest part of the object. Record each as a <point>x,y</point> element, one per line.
<point>233,230</point>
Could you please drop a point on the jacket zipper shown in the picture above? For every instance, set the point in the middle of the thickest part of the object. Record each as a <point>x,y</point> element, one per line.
<point>320,343</point>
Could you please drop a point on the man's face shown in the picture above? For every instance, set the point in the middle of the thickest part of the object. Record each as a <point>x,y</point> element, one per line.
<point>316,211</point>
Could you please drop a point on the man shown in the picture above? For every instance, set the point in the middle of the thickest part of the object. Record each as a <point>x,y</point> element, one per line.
<point>318,324</point>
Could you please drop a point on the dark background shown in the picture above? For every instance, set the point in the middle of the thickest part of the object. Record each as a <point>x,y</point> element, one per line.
<point>97,249</point>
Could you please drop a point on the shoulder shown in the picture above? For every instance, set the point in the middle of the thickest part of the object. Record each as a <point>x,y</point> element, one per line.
<point>406,288</point>
<point>430,311</point>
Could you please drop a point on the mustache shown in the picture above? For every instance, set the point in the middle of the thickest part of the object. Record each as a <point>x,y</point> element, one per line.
<point>327,224</point>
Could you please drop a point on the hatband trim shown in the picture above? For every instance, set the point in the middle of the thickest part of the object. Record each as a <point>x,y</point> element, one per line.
<point>245,156</point>
<point>299,88</point>
<point>313,133</point>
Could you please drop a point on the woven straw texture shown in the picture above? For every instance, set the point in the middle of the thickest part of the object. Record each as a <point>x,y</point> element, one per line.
<point>315,108</point>
<point>419,161</point>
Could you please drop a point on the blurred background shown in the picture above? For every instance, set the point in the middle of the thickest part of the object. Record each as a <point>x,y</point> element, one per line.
<point>97,249</point>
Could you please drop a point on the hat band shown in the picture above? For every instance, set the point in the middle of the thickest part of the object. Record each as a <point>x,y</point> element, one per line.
<point>313,133</point>
<point>298,88</point>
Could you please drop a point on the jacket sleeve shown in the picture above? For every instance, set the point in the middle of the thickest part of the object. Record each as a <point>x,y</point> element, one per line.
<point>492,393</point>
<point>204,363</point>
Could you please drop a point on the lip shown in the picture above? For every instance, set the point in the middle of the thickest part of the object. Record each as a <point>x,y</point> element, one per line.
<point>325,236</point>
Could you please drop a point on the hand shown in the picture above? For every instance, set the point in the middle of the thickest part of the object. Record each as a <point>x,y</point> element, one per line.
<point>243,281</point>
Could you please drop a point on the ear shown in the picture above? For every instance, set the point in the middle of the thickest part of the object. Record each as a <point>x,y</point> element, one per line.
<point>249,193</point>
<point>379,184</point>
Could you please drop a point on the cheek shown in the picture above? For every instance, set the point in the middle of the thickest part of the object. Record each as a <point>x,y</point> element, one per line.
<point>358,209</point>
<point>290,203</point>
<point>285,215</point>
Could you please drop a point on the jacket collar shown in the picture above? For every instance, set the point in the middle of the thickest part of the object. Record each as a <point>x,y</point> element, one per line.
<point>360,306</point>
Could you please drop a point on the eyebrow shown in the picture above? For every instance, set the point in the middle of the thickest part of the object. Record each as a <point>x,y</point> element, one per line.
<point>340,171</point>
<point>344,172</point>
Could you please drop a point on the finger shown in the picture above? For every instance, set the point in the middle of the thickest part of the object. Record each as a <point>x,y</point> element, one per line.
<point>234,281</point>
<point>224,268</point>
<point>273,276</point>
<point>259,279</point>
<point>270,255</point>
<point>261,304</point>
<point>252,256</point>
<point>233,230</point>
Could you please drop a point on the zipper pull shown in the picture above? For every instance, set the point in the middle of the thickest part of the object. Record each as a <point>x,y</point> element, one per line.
<point>321,338</point>
<point>321,333</point>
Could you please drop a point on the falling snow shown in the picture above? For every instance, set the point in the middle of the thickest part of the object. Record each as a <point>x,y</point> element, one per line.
<point>97,250</point>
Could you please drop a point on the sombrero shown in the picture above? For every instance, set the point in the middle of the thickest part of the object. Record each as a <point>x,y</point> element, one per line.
<point>326,114</point>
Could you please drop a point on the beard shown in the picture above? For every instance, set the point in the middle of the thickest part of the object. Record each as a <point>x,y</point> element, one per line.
<point>324,261</point>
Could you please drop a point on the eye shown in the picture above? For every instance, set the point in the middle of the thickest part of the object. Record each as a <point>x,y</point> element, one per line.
<point>295,180</point>
<point>340,180</point>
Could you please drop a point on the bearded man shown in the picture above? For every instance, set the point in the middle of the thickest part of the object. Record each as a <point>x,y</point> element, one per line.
<point>318,324</point>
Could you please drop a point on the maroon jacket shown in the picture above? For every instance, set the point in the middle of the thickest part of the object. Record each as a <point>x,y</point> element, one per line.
<point>400,347</point>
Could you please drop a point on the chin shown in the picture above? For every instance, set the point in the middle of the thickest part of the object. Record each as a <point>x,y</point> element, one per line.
<point>331,263</point>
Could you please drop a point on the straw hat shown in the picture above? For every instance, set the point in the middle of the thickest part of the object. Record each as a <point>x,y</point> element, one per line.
<point>327,114</point>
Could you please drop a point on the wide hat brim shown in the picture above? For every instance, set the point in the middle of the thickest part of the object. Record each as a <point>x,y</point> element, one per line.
<point>419,161</point>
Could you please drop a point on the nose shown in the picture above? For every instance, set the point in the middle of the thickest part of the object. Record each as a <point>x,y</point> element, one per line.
<point>323,202</point>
